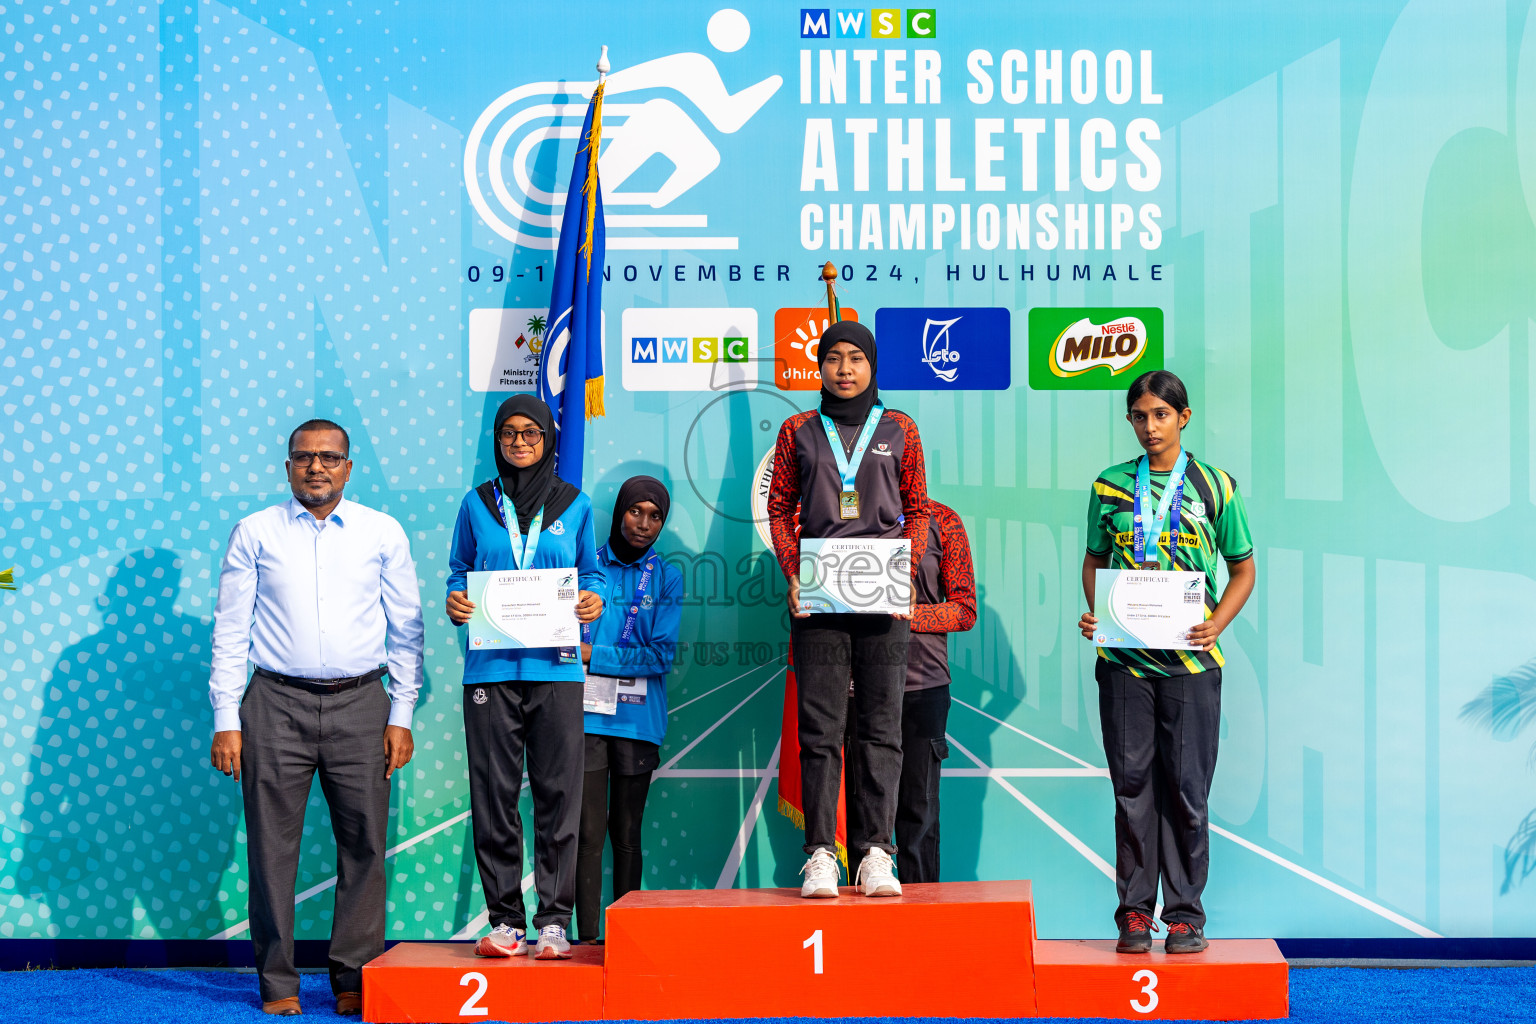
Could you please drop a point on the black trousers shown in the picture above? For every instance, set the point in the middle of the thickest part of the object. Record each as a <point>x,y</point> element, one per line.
<point>289,735</point>
<point>924,718</point>
<point>1160,738</point>
<point>502,722</point>
<point>873,648</point>
<point>618,779</point>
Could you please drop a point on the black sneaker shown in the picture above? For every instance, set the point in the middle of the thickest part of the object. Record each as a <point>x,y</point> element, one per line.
<point>1135,933</point>
<point>1184,938</point>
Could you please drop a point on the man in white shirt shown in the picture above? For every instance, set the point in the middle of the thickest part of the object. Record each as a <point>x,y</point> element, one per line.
<point>317,593</point>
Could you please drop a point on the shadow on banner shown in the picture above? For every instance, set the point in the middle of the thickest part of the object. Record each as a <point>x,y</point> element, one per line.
<point>129,830</point>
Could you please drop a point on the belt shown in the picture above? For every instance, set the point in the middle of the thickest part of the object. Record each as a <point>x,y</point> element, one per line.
<point>325,686</point>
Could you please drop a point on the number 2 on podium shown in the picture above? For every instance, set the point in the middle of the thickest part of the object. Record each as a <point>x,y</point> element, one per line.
<point>471,1007</point>
<point>814,944</point>
<point>1148,988</point>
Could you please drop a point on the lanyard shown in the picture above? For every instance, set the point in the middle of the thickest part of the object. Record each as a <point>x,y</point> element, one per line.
<point>846,467</point>
<point>627,633</point>
<point>1168,508</point>
<point>523,548</point>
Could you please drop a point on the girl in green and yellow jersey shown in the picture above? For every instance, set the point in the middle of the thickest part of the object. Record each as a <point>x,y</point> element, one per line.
<point>1161,709</point>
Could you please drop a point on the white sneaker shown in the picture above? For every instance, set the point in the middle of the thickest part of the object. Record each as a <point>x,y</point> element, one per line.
<point>553,944</point>
<point>821,876</point>
<point>877,874</point>
<point>503,940</point>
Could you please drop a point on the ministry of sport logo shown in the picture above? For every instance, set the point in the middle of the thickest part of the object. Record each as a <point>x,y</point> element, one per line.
<point>504,347</point>
<point>1093,348</point>
<point>518,154</point>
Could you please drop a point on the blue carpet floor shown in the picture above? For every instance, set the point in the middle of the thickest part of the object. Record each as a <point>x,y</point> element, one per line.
<point>1459,995</point>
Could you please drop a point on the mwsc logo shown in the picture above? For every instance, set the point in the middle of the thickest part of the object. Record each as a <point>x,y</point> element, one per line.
<point>694,349</point>
<point>859,23</point>
<point>1093,348</point>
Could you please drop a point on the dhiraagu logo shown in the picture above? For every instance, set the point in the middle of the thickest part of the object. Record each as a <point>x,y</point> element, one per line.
<point>797,332</point>
<point>1093,348</point>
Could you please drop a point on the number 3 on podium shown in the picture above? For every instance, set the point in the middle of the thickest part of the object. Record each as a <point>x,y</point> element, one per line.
<point>814,944</point>
<point>1148,989</point>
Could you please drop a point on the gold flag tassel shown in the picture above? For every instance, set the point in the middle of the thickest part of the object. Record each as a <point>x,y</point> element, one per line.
<point>589,191</point>
<point>791,812</point>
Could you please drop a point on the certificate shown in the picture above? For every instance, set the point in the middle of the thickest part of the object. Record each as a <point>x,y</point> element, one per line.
<point>1147,609</point>
<point>523,608</point>
<point>855,574</point>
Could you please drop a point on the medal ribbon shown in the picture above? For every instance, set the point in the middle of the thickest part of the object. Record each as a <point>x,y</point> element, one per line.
<point>523,548</point>
<point>627,633</point>
<point>1168,508</point>
<point>846,467</point>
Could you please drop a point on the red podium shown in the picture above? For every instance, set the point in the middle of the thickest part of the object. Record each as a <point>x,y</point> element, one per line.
<point>1235,979</point>
<point>443,981</point>
<point>954,949</point>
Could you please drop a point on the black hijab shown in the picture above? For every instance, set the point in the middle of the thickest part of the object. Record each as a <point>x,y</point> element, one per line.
<point>635,490</point>
<point>849,412</point>
<point>537,486</point>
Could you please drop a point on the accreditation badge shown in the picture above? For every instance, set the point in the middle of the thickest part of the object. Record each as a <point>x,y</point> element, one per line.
<point>600,695</point>
<point>848,504</point>
<point>632,691</point>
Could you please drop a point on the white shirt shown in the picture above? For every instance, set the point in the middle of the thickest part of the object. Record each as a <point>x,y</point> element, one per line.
<point>317,598</point>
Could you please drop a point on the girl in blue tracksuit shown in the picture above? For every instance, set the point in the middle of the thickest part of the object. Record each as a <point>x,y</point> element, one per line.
<point>524,700</point>
<point>628,653</point>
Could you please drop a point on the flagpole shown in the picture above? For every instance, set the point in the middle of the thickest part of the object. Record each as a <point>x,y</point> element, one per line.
<point>594,405</point>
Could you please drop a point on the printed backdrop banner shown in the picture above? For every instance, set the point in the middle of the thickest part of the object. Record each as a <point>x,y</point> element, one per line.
<point>220,219</point>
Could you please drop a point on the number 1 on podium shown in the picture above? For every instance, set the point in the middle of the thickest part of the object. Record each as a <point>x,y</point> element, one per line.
<point>814,944</point>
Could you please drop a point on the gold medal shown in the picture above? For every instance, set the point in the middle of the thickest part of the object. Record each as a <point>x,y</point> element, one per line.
<point>848,504</point>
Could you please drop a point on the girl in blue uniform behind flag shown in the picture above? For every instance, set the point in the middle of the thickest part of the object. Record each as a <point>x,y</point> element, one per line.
<point>628,653</point>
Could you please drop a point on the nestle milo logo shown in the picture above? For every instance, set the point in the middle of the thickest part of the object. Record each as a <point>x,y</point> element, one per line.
<point>1094,349</point>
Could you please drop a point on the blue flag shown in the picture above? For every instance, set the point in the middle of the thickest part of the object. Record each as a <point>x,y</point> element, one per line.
<point>571,365</point>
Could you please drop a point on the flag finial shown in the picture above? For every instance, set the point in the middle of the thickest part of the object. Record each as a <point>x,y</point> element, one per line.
<point>834,308</point>
<point>602,64</point>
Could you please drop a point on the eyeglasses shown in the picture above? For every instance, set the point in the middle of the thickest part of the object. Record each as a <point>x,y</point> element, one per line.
<point>531,436</point>
<point>330,460</point>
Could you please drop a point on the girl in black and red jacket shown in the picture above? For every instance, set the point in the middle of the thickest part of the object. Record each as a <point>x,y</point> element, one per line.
<point>891,502</point>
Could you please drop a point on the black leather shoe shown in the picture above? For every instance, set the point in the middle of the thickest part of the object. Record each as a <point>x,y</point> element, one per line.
<point>1184,938</point>
<point>1135,933</point>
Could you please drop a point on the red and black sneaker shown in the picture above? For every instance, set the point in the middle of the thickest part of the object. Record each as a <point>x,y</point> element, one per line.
<point>1184,938</point>
<point>1135,933</point>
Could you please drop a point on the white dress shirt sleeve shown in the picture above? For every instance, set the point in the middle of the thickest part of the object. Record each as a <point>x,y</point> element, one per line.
<point>401,595</point>
<point>232,630</point>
